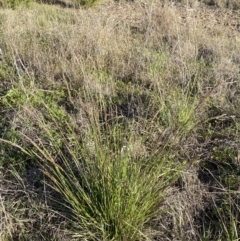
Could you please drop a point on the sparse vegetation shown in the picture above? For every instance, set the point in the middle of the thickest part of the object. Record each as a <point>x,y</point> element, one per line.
<point>120,122</point>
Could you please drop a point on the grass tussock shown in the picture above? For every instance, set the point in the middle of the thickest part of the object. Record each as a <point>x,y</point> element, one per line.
<point>119,122</point>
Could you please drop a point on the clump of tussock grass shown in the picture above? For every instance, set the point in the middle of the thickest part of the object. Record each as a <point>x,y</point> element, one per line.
<point>110,194</point>
<point>96,184</point>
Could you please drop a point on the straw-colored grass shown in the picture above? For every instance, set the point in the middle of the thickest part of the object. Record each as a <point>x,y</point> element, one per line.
<point>120,122</point>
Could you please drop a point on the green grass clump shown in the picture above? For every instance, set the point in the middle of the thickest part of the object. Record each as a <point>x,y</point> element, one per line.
<point>111,192</point>
<point>110,185</point>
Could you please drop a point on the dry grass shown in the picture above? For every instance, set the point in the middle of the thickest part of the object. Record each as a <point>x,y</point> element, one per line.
<point>26,212</point>
<point>224,3</point>
<point>172,72</point>
<point>233,4</point>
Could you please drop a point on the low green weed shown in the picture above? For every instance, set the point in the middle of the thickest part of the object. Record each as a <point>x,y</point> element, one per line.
<point>15,100</point>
